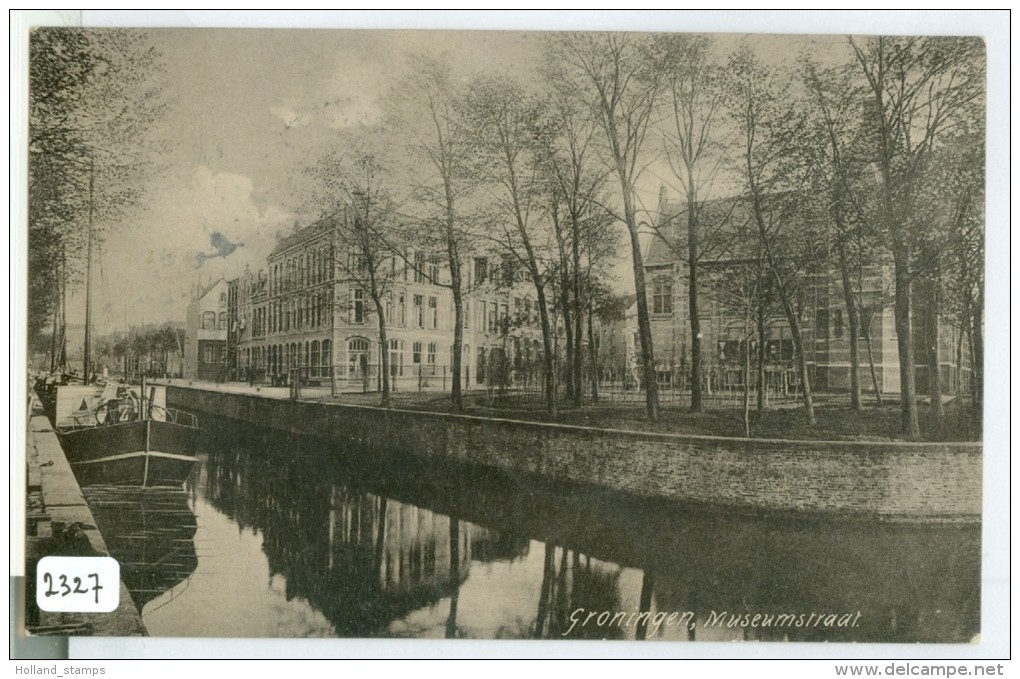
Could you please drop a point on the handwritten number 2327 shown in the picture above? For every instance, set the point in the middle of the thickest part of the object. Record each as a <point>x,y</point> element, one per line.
<point>65,589</point>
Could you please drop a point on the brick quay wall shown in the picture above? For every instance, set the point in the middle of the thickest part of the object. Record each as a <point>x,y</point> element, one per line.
<point>925,482</point>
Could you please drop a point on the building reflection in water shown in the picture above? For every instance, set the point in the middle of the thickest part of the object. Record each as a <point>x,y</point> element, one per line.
<point>381,548</point>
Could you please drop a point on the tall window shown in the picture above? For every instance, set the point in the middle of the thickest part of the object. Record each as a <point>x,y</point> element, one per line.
<point>416,353</point>
<point>492,317</point>
<point>662,296</point>
<point>432,354</point>
<point>419,266</point>
<point>396,358</point>
<point>480,320</point>
<point>433,268</point>
<point>389,307</point>
<point>433,313</point>
<point>837,323</point>
<point>209,320</point>
<point>357,306</point>
<point>357,357</point>
<point>481,270</point>
<point>419,312</point>
<point>402,309</point>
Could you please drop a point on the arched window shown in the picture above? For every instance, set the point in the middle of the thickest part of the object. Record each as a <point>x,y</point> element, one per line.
<point>209,320</point>
<point>223,320</point>
<point>357,358</point>
<point>327,359</point>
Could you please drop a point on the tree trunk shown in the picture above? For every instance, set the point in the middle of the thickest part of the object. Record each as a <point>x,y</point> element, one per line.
<point>853,326</point>
<point>932,345</point>
<point>549,358</point>
<point>697,404</point>
<point>871,361</point>
<point>384,353</point>
<point>644,324</point>
<point>978,351</point>
<point>760,387</point>
<point>904,342</point>
<point>569,329</point>
<point>593,355</point>
<point>578,364</point>
<point>747,372</point>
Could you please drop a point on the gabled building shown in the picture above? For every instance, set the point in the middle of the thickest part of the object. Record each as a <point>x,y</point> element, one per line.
<point>205,345</point>
<point>821,315</point>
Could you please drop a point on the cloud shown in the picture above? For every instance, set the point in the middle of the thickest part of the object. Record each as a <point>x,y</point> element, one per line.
<point>150,265</point>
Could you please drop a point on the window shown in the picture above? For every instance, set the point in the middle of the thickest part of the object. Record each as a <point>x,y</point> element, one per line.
<point>357,306</point>
<point>433,313</point>
<point>416,353</point>
<point>419,266</point>
<point>223,298</point>
<point>326,359</point>
<point>492,316</point>
<point>357,358</point>
<point>434,269</point>
<point>396,358</point>
<point>503,317</point>
<point>480,320</point>
<point>389,307</point>
<point>209,320</point>
<point>419,312</point>
<point>207,354</point>
<point>402,309</point>
<point>223,320</point>
<point>837,323</point>
<point>481,270</point>
<point>432,353</point>
<point>313,359</point>
<point>822,323</point>
<point>662,296</point>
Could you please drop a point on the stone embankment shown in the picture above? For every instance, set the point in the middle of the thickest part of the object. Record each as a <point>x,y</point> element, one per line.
<point>893,481</point>
<point>60,523</point>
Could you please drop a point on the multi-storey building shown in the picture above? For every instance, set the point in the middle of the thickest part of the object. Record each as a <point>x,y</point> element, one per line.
<point>205,350</point>
<point>312,316</point>
<point>821,310</point>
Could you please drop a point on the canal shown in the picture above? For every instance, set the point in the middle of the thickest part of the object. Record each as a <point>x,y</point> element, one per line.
<point>276,535</point>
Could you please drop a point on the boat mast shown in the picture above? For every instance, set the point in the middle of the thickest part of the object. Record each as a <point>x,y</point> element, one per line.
<point>88,279</point>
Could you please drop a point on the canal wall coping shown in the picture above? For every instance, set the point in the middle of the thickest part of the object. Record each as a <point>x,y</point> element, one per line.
<point>908,481</point>
<point>65,505</point>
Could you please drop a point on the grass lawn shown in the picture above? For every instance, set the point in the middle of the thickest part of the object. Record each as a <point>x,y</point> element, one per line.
<point>834,419</point>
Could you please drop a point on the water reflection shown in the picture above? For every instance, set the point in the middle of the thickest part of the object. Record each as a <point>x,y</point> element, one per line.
<point>298,538</point>
<point>151,532</point>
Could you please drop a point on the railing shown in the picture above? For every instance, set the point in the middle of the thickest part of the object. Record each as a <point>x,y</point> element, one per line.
<point>101,417</point>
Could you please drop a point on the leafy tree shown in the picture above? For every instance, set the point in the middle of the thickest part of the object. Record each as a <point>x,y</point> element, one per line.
<point>93,97</point>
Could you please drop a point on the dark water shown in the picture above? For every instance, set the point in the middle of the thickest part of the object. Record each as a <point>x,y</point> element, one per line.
<point>283,536</point>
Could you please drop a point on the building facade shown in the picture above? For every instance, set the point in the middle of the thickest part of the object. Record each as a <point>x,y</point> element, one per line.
<point>205,347</point>
<point>311,317</point>
<point>728,330</point>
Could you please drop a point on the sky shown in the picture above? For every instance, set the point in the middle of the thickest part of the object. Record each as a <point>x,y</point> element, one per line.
<point>248,112</point>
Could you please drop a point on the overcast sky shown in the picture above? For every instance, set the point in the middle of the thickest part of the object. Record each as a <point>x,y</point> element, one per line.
<point>249,109</point>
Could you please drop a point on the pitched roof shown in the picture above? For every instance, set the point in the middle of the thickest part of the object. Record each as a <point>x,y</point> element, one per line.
<point>304,234</point>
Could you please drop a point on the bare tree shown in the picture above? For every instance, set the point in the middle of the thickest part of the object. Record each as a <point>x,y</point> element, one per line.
<point>422,109</point>
<point>615,76</point>
<point>771,127</point>
<point>696,153</point>
<point>920,89</point>
<point>508,133</point>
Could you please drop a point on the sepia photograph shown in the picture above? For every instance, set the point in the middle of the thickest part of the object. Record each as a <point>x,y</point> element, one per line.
<point>506,335</point>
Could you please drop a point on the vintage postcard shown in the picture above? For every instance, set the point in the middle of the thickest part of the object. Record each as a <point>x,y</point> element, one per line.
<point>499,335</point>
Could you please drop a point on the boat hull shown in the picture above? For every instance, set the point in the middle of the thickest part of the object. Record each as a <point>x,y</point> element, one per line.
<point>139,453</point>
